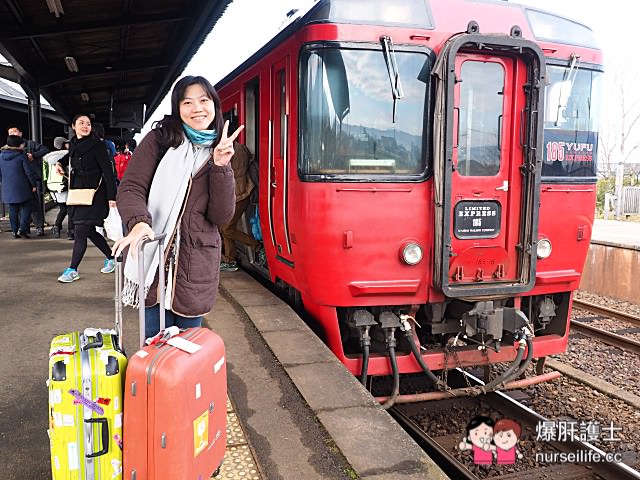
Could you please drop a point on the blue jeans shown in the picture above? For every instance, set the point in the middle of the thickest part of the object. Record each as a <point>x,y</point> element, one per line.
<point>20,216</point>
<point>152,326</point>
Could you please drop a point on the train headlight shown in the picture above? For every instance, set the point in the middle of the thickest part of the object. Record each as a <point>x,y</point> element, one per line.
<point>411,253</point>
<point>544,248</point>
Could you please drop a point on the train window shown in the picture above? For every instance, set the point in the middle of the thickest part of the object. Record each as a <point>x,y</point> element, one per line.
<point>377,12</point>
<point>547,26</point>
<point>572,110</point>
<point>480,114</point>
<point>349,129</point>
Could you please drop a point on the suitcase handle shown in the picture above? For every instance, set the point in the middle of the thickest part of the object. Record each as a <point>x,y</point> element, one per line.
<point>159,237</point>
<point>97,343</point>
<point>105,436</point>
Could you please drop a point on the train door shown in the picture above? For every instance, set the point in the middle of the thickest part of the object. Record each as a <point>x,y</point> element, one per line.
<point>486,166</point>
<point>486,184</point>
<point>279,157</point>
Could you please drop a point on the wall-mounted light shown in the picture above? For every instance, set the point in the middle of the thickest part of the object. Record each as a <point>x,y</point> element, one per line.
<point>85,97</point>
<point>55,7</point>
<point>72,65</point>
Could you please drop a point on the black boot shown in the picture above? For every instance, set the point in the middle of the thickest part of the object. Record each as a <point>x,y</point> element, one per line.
<point>55,231</point>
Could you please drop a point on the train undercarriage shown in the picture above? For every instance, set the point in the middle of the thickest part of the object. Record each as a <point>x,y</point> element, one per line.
<point>435,338</point>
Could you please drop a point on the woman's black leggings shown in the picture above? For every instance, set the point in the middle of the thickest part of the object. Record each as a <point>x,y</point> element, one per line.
<point>82,232</point>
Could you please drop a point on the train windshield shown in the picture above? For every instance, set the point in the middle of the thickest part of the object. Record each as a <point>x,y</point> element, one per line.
<point>571,122</point>
<point>354,127</point>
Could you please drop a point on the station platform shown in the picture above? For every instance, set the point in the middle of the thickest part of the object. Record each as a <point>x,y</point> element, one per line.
<point>294,412</point>
<point>613,262</point>
<point>616,233</point>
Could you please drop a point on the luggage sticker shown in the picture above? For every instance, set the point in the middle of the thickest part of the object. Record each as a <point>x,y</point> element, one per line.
<point>79,398</point>
<point>118,439</point>
<point>200,433</point>
<point>198,391</point>
<point>218,365</point>
<point>55,396</point>
<point>117,467</point>
<point>68,421</point>
<point>57,419</point>
<point>117,420</point>
<point>72,456</point>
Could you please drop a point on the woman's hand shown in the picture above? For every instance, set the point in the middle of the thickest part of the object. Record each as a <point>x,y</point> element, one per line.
<point>136,234</point>
<point>224,150</point>
<point>60,170</point>
<point>112,204</point>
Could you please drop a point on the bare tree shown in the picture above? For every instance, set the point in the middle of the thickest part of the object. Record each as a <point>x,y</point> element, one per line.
<point>620,136</point>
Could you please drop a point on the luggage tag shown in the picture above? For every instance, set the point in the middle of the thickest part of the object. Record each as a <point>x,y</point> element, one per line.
<point>169,337</point>
<point>184,345</point>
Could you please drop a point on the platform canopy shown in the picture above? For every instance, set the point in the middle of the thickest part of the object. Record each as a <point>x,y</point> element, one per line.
<point>114,59</point>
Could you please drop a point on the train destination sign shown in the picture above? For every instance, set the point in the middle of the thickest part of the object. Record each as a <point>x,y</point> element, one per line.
<point>476,219</point>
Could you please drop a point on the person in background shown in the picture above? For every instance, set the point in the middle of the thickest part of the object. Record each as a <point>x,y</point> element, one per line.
<point>98,129</point>
<point>179,182</point>
<point>34,152</point>
<point>89,167</point>
<point>244,186</point>
<point>121,160</point>
<point>58,185</point>
<point>18,183</point>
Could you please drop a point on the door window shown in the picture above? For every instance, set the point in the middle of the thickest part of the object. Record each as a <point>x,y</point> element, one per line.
<point>480,118</point>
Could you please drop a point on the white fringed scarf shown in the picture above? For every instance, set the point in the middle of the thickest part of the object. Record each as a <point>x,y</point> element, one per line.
<point>166,201</point>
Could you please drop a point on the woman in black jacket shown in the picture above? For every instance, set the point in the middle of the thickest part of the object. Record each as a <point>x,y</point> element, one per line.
<point>90,168</point>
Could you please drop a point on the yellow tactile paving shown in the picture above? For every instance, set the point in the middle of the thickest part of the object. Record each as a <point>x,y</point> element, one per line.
<point>238,459</point>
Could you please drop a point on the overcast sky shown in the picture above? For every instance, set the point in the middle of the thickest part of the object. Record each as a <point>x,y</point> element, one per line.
<point>235,37</point>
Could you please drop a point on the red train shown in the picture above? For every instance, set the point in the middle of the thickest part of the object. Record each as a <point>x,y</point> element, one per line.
<point>427,175</point>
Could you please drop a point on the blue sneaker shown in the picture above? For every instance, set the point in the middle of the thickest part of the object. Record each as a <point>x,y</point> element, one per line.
<point>69,275</point>
<point>109,265</point>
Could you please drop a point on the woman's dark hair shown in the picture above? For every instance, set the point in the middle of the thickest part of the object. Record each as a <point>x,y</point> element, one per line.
<point>170,127</point>
<point>73,122</point>
<point>479,420</point>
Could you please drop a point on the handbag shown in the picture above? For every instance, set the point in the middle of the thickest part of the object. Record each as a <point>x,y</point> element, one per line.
<point>81,196</point>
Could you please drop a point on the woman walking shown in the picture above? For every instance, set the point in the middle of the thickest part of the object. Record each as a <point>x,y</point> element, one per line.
<point>179,182</point>
<point>90,167</point>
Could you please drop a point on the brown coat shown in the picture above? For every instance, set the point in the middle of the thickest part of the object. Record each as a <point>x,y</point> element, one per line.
<point>210,202</point>
<point>240,163</point>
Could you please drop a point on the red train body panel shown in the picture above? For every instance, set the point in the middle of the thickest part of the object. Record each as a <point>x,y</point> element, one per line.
<point>427,176</point>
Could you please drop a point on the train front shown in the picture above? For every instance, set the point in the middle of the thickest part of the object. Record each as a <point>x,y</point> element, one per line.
<point>442,229</point>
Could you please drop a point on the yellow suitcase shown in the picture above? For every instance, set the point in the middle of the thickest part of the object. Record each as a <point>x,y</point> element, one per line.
<point>86,374</point>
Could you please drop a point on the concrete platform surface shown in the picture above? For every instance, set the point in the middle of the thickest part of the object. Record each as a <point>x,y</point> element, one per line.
<point>302,415</point>
<point>616,233</point>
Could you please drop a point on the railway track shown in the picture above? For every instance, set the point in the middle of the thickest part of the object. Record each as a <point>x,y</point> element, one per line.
<point>607,312</point>
<point>441,447</point>
<point>605,336</point>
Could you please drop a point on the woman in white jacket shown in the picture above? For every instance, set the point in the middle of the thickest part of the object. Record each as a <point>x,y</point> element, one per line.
<point>58,185</point>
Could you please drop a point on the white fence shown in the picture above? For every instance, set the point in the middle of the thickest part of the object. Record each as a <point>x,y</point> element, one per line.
<point>631,200</point>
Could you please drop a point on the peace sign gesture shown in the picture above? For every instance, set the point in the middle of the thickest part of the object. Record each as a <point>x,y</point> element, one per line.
<point>224,150</point>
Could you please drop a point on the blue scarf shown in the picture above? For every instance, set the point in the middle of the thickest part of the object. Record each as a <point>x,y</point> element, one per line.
<point>200,137</point>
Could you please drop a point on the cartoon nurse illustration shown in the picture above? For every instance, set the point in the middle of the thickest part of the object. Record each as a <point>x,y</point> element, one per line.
<point>479,439</point>
<point>505,436</point>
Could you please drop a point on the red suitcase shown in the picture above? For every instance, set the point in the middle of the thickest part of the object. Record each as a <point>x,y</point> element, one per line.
<point>175,405</point>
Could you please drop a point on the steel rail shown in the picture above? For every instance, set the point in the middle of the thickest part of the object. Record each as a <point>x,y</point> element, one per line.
<point>609,338</point>
<point>445,460</point>
<point>607,312</point>
<point>620,471</point>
